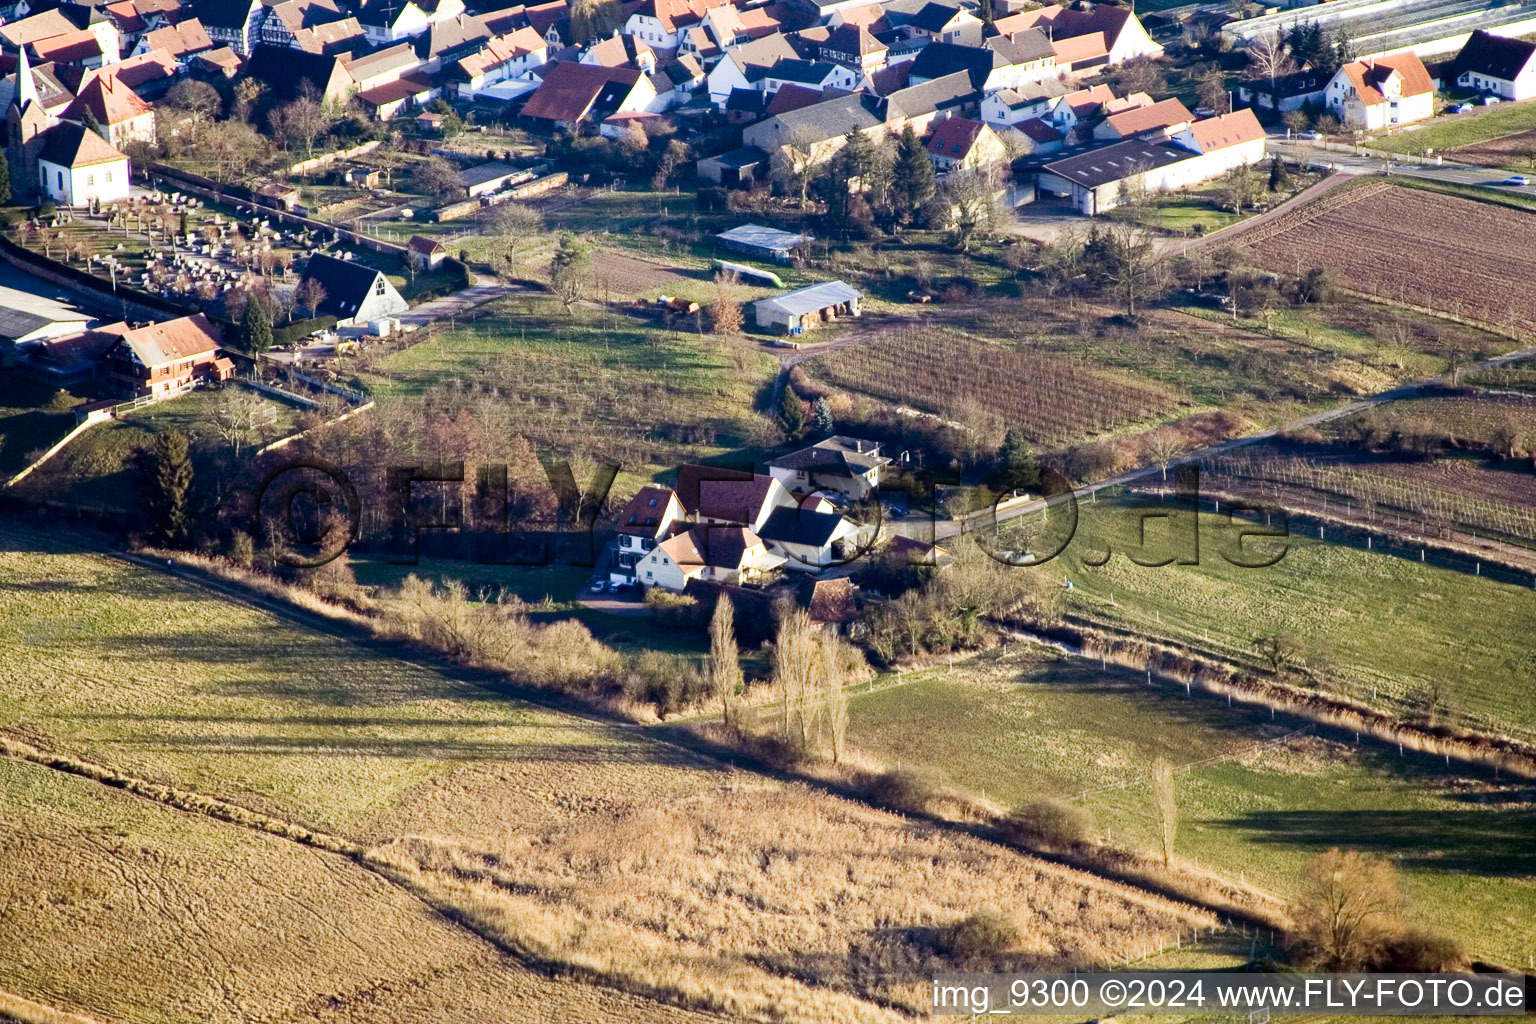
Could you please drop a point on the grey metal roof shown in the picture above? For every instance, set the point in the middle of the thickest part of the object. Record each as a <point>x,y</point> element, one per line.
<point>758,236</point>
<point>16,323</point>
<point>812,298</point>
<point>1114,163</point>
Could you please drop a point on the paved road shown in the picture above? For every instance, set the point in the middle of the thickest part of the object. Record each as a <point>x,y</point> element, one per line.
<point>483,290</point>
<point>1351,163</point>
<point>951,528</point>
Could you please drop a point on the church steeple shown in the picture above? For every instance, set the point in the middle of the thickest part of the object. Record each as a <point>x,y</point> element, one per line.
<point>26,85</point>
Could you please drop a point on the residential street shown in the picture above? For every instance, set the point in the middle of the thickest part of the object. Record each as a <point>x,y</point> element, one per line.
<point>1352,163</point>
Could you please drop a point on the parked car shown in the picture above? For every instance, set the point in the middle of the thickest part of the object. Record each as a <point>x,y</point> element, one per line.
<point>1310,136</point>
<point>1517,180</point>
<point>599,586</point>
<point>1489,101</point>
<point>1460,108</point>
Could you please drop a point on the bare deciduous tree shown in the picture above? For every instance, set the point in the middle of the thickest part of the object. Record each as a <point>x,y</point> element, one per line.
<point>725,312</point>
<point>1347,901</point>
<point>724,663</point>
<point>1165,804</point>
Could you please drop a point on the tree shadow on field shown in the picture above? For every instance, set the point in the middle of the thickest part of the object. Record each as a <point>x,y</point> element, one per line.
<point>1478,842</point>
<point>429,748</point>
<point>1177,721</point>
<point>275,662</point>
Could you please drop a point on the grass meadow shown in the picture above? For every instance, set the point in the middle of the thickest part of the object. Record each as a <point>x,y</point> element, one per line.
<point>590,381</point>
<point>1039,724</point>
<point>1367,621</point>
<point>586,848</point>
<point>176,685</point>
<point>1482,124</point>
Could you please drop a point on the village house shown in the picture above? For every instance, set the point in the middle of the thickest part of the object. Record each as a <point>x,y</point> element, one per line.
<point>807,308</point>
<point>849,466</point>
<point>1086,35</point>
<point>716,554</point>
<point>648,519</point>
<point>854,46</point>
<point>962,144</point>
<point>808,533</point>
<point>935,22</point>
<point>1499,66</point>
<point>387,21</point>
<point>1285,92</point>
<point>1008,107</point>
<point>181,40</point>
<point>1162,119</point>
<point>572,92</point>
<point>355,293</point>
<point>116,108</point>
<point>663,22</point>
<point>1382,91</point>
<point>232,23</point>
<point>502,57</point>
<point>730,72</point>
<point>167,359</point>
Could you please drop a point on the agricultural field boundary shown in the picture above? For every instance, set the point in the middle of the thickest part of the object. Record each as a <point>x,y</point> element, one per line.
<point>1301,215</point>
<point>25,1011</point>
<point>57,447</point>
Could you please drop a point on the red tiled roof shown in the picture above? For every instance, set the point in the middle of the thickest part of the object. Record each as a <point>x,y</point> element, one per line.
<point>182,38</point>
<point>70,48</point>
<point>126,16</point>
<point>163,343</point>
<point>109,100</point>
<point>1368,76</point>
<point>570,89</point>
<point>955,137</point>
<point>1162,114</point>
<point>793,97</point>
<point>1037,130</point>
<point>644,514</point>
<point>1225,130</point>
<point>1076,49</point>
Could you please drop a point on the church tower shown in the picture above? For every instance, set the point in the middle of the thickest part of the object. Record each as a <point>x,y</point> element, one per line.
<point>25,122</point>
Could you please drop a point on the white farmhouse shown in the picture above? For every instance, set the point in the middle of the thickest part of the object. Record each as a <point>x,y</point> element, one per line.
<point>1494,64</point>
<point>647,520</point>
<point>1381,91</point>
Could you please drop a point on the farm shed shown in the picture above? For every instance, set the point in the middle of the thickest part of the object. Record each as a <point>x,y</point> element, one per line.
<point>805,308</point>
<point>737,169</point>
<point>483,179</point>
<point>765,243</point>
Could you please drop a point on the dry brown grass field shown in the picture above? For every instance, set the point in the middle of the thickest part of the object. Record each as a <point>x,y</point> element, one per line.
<point>585,848</point>
<point>129,911</point>
<point>762,900</point>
